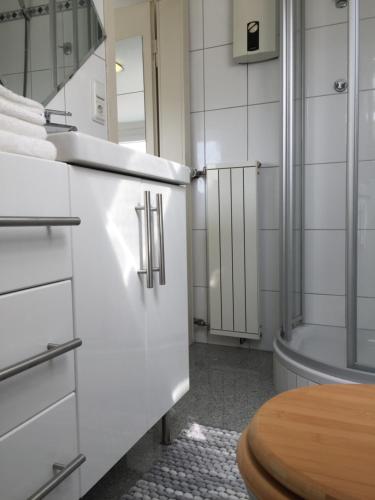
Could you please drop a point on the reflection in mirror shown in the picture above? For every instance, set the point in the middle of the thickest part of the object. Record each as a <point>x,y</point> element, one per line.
<point>44,42</point>
<point>130,93</point>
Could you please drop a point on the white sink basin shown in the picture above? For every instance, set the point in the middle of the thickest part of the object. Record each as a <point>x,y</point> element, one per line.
<point>82,149</point>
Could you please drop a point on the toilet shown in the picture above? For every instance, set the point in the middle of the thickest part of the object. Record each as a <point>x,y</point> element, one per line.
<point>312,443</point>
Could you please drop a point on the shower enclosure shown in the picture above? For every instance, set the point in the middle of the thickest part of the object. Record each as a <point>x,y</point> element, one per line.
<point>328,193</point>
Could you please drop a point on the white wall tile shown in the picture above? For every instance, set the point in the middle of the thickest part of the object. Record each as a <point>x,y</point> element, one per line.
<point>200,334</point>
<point>264,82</point>
<point>42,84</point>
<point>325,132</point>
<point>264,133</point>
<point>325,196</point>
<point>366,8</point>
<point>78,96</point>
<point>226,135</point>
<point>12,35</point>
<point>366,313</point>
<point>200,259</point>
<point>269,260</point>
<point>199,203</point>
<point>367,125</point>
<point>225,81</point>
<point>197,140</point>
<point>218,21</point>
<point>366,195</point>
<point>324,309</point>
<point>325,262</point>
<point>200,302</point>
<point>366,263</point>
<point>41,57</point>
<point>196,24</point>
<point>15,83</point>
<point>323,12</point>
<point>324,66</point>
<point>196,81</point>
<point>269,198</point>
<point>367,54</point>
<point>269,318</point>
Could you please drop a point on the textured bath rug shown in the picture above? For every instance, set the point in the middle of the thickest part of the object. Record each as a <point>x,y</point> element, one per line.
<point>200,464</point>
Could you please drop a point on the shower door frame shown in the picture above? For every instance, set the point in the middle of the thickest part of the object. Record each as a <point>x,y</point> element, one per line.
<point>287,266</point>
<point>287,194</point>
<point>352,184</point>
<point>352,189</point>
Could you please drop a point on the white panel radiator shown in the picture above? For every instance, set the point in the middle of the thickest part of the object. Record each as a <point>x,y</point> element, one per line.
<point>232,242</point>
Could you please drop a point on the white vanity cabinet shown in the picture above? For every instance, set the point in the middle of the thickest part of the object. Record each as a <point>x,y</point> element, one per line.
<point>167,364</point>
<point>134,365</point>
<point>38,411</point>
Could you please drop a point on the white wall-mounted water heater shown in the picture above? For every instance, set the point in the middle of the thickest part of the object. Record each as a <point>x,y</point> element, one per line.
<point>255,30</point>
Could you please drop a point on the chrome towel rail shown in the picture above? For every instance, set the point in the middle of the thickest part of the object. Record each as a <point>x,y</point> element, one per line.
<point>53,351</point>
<point>39,221</point>
<point>64,472</point>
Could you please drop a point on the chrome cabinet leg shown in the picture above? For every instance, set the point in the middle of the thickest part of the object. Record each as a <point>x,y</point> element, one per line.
<point>166,430</point>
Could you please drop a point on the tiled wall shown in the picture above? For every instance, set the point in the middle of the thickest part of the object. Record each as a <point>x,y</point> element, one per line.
<point>234,117</point>
<point>76,95</point>
<point>325,170</point>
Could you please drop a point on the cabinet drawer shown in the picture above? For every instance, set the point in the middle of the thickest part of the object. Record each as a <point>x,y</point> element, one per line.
<point>28,453</point>
<point>29,321</point>
<point>32,256</point>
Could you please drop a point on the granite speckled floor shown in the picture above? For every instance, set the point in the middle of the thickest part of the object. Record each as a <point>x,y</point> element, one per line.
<point>227,386</point>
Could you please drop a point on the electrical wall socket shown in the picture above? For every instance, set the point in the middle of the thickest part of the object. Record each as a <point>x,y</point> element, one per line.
<point>98,102</point>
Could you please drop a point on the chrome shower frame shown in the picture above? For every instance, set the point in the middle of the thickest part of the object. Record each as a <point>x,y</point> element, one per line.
<point>288,164</point>
<point>287,194</point>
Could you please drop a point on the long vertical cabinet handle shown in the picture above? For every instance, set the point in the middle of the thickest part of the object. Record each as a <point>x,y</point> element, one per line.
<point>159,210</point>
<point>148,217</point>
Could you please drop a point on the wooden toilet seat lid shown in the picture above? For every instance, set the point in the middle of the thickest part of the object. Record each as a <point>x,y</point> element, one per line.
<point>317,442</point>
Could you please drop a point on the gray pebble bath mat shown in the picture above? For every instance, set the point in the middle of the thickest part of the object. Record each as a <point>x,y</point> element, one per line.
<point>199,465</point>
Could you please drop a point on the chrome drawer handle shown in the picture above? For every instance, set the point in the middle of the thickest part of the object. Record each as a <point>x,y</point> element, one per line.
<point>53,351</point>
<point>64,471</point>
<point>148,216</point>
<point>159,210</point>
<point>39,221</point>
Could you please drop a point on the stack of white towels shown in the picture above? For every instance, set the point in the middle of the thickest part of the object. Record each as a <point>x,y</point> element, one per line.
<point>22,128</point>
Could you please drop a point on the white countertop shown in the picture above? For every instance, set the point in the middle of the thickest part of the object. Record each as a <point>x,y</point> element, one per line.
<point>82,149</point>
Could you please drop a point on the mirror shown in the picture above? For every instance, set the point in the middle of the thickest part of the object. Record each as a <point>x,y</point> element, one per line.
<point>56,36</point>
<point>131,93</point>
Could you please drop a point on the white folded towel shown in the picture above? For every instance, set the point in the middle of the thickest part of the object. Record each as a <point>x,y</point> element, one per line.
<point>18,99</point>
<point>32,115</point>
<point>17,126</point>
<point>13,143</point>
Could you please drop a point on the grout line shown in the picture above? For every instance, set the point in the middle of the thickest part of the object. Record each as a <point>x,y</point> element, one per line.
<point>227,107</point>
<point>130,93</point>
<point>337,24</point>
<point>336,94</point>
<point>325,26</point>
<point>324,294</point>
<point>218,46</point>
